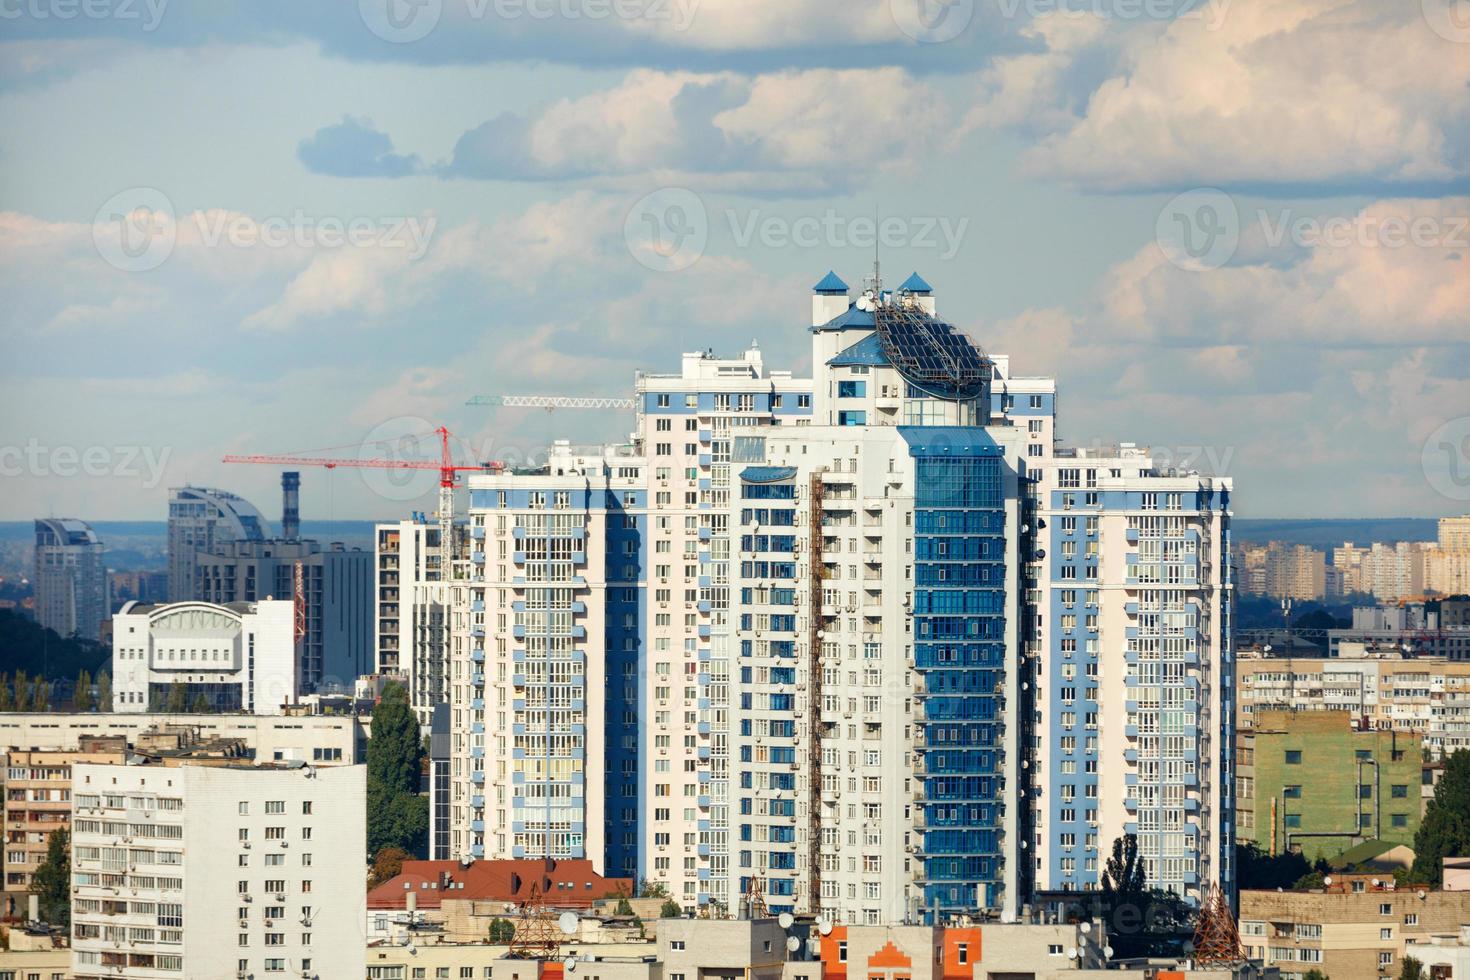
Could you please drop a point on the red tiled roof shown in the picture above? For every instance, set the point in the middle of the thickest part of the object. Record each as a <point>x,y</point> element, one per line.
<point>569,884</point>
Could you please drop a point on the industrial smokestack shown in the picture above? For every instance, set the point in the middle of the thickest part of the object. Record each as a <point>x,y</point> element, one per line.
<point>291,505</point>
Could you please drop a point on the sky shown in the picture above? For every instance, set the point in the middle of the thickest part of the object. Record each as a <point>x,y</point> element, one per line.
<point>1234,231</point>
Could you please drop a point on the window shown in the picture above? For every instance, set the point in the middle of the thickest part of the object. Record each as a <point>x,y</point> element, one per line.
<point>964,952</point>
<point>1399,819</point>
<point>1399,791</point>
<point>1293,757</point>
<point>1291,792</point>
<point>275,806</point>
<point>1385,908</point>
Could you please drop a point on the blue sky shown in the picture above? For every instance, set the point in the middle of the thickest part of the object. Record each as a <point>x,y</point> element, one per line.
<point>1055,173</point>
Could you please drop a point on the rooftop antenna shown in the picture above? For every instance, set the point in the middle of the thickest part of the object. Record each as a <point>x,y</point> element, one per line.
<point>876,279</point>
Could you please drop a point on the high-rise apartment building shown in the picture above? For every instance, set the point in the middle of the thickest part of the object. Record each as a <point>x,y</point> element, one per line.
<point>70,579</point>
<point>869,642</point>
<point>1134,695</point>
<point>199,520</point>
<point>240,656</point>
<point>218,871</point>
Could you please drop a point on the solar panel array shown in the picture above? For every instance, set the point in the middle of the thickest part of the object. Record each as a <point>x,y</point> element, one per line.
<point>932,354</point>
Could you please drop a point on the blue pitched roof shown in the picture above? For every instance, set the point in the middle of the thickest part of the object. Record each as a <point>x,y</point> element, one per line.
<point>916,284</point>
<point>853,319</point>
<point>866,351</point>
<point>830,284</point>
<point>767,474</point>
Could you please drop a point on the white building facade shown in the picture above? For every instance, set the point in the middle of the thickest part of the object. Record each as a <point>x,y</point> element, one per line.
<point>199,520</point>
<point>240,656</point>
<point>216,872</point>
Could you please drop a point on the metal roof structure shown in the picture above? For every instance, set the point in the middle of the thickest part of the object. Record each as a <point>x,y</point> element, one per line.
<point>932,355</point>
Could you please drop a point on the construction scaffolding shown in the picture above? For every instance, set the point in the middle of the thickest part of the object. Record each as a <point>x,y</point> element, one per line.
<point>930,353</point>
<point>816,575</point>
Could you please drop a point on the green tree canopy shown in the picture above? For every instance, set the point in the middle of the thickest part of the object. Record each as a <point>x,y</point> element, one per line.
<point>1411,969</point>
<point>51,883</point>
<point>7,700</point>
<point>22,691</point>
<point>1445,830</point>
<point>104,691</point>
<point>178,699</point>
<point>502,931</point>
<point>82,699</point>
<point>397,815</point>
<point>670,909</point>
<point>387,864</point>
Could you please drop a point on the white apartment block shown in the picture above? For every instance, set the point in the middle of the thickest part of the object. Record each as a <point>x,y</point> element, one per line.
<point>316,739</point>
<point>213,872</point>
<point>1135,678</point>
<point>241,656</point>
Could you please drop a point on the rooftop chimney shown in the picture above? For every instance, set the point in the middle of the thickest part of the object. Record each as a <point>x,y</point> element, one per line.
<point>291,505</point>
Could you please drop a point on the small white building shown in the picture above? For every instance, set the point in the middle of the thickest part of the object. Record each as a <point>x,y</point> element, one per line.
<point>240,656</point>
<point>212,872</point>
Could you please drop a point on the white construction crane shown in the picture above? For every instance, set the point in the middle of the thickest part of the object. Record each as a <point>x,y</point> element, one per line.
<point>550,402</point>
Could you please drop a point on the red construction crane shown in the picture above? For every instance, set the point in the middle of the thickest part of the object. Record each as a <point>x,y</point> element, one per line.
<point>446,466</point>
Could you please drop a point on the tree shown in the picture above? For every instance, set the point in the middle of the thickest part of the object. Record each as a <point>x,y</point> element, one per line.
<point>502,931</point>
<point>651,889</point>
<point>104,691</point>
<point>7,703</point>
<point>1257,870</point>
<point>625,907</point>
<point>1445,830</point>
<point>397,815</point>
<point>82,700</point>
<point>1126,900</point>
<point>1314,974</point>
<point>1411,969</point>
<point>40,694</point>
<point>22,691</point>
<point>178,699</point>
<point>51,883</point>
<point>669,909</point>
<point>200,705</point>
<point>387,865</point>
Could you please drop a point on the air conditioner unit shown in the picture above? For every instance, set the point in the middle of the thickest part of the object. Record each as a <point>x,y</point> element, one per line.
<point>285,843</point>
<point>244,923</point>
<point>245,844</point>
<point>280,897</point>
<point>269,923</point>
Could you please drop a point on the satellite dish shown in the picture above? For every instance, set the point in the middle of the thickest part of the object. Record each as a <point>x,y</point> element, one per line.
<point>1327,879</point>
<point>570,964</point>
<point>1108,952</point>
<point>792,943</point>
<point>568,923</point>
<point>1072,953</point>
<point>1086,928</point>
<point>825,927</point>
<point>785,919</point>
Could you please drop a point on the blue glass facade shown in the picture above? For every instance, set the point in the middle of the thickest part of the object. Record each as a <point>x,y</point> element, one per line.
<point>959,617</point>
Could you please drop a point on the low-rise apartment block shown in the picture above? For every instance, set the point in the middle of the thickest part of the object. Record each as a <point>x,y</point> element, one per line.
<point>1357,927</point>
<point>209,872</point>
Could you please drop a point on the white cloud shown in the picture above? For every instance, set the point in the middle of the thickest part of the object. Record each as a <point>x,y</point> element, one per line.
<point>1290,92</point>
